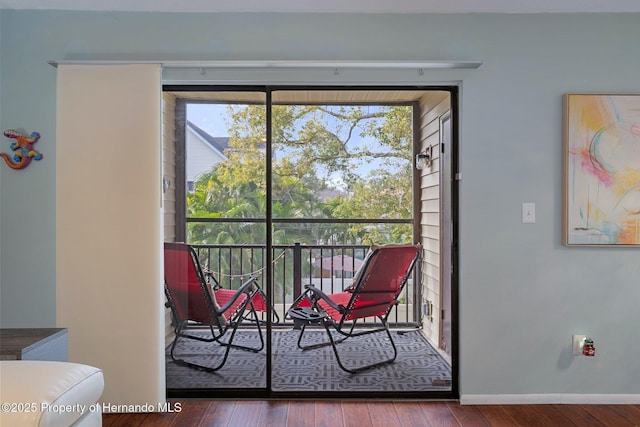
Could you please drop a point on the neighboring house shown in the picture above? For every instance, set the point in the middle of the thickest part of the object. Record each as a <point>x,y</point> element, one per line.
<point>203,152</point>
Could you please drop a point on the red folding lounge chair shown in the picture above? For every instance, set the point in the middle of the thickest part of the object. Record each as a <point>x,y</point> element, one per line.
<point>195,304</point>
<point>374,293</point>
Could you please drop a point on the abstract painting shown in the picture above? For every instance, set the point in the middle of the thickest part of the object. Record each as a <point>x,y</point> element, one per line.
<point>602,170</point>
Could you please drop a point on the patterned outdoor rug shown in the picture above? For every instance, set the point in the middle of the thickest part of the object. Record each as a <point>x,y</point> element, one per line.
<point>418,367</point>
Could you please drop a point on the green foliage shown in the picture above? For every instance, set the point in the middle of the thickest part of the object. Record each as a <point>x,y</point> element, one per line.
<point>315,148</point>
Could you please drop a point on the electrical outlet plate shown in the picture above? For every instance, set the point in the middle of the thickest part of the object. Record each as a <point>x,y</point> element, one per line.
<point>578,343</point>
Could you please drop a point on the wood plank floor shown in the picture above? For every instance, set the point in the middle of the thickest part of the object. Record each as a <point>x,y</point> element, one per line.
<point>330,413</point>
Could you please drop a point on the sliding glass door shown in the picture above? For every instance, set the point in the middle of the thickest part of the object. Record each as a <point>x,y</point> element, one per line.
<point>293,186</point>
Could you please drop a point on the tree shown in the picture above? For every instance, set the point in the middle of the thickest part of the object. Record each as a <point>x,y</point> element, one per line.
<point>382,196</point>
<point>336,140</point>
<point>315,147</point>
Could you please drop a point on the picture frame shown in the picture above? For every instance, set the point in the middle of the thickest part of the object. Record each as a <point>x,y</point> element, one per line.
<point>601,175</point>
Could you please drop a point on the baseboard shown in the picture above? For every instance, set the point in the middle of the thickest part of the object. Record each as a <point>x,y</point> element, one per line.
<point>559,398</point>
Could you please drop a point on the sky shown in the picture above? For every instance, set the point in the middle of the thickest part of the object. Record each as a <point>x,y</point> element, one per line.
<point>209,117</point>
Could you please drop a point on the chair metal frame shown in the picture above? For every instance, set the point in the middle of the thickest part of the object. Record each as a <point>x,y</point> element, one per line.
<point>259,299</point>
<point>219,320</point>
<point>340,311</point>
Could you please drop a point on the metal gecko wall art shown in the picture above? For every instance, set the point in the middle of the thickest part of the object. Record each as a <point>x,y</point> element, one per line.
<point>23,147</point>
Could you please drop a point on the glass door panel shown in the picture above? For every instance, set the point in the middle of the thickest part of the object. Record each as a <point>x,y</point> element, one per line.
<point>220,171</point>
<point>343,180</point>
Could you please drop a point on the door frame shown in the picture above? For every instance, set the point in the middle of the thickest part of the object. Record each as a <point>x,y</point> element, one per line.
<point>453,393</point>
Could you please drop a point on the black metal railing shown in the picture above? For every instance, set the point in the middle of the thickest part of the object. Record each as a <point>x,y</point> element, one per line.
<point>329,267</point>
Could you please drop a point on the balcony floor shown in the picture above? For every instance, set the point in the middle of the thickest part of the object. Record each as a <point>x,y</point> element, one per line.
<point>418,367</point>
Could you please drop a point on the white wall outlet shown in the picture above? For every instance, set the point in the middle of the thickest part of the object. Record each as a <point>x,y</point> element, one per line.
<point>528,213</point>
<point>578,343</point>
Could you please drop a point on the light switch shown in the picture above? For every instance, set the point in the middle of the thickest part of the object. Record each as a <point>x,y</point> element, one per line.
<point>528,213</point>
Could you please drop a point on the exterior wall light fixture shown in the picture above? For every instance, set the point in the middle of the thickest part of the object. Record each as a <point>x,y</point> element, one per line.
<point>424,160</point>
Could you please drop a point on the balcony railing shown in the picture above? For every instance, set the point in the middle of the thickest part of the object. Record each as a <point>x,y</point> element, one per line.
<point>328,267</point>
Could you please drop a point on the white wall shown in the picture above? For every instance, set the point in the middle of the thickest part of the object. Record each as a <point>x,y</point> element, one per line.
<point>522,294</point>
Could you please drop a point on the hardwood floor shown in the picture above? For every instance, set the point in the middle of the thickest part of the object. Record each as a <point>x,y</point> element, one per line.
<point>330,413</point>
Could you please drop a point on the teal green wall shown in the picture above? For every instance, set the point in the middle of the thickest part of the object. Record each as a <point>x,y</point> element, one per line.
<point>522,294</point>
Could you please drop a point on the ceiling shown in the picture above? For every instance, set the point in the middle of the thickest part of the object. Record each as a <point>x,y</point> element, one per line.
<point>329,6</point>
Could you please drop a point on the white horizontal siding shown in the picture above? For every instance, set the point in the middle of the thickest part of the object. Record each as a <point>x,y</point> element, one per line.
<point>201,157</point>
<point>169,195</point>
<point>432,108</point>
